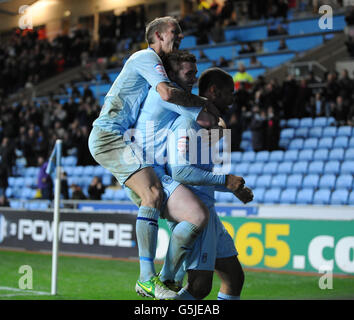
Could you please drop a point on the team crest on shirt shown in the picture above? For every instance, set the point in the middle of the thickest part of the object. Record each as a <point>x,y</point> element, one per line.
<point>160,69</point>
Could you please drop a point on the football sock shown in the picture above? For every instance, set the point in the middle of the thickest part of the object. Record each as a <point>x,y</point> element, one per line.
<point>146,235</point>
<point>224,296</point>
<point>183,294</point>
<point>182,239</point>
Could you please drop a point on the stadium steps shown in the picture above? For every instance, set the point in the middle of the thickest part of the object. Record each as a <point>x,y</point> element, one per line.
<point>326,54</point>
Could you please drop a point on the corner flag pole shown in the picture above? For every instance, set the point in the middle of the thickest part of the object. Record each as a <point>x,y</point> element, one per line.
<point>57,155</point>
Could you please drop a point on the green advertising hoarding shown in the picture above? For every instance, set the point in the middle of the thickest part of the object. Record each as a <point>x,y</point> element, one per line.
<point>292,245</point>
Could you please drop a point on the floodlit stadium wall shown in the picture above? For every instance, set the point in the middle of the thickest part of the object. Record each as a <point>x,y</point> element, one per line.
<point>287,238</point>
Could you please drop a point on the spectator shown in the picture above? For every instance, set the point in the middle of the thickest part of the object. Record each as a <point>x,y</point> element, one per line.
<point>303,99</point>
<point>242,76</point>
<point>317,105</point>
<point>77,193</point>
<point>3,179</point>
<point>331,91</point>
<point>96,189</point>
<point>7,154</point>
<point>289,93</point>
<point>254,62</point>
<point>222,63</point>
<point>64,187</point>
<point>202,55</point>
<point>339,111</point>
<point>45,182</point>
<point>272,130</point>
<point>258,129</point>
<point>217,32</point>
<point>4,202</point>
<point>282,45</point>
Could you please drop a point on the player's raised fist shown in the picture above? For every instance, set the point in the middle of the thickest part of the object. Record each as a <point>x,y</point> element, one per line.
<point>244,194</point>
<point>234,183</point>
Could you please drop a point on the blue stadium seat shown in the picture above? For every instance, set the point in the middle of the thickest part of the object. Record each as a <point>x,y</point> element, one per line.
<point>296,144</point>
<point>284,143</point>
<point>339,196</point>
<point>302,132</point>
<point>236,156</point>
<point>310,143</point>
<point>99,171</point>
<point>351,198</point>
<point>332,167</point>
<point>320,122</point>
<point>330,121</point>
<point>247,135</point>
<point>304,196</point>
<point>329,132</point>
<point>341,142</point>
<point>106,179</point>
<point>316,167</point>
<point>258,194</point>
<point>68,170</point>
<point>9,192</point>
<point>315,132</point>
<point>246,145</point>
<point>119,195</point>
<point>287,133</point>
<point>78,171</point>
<point>322,196</point>
<point>282,123</point>
<point>336,154</point>
<point>294,181</point>
<point>311,181</point>
<point>285,167</point>
<point>288,196</point>
<point>11,181</point>
<point>344,131</point>
<point>327,181</point>
<point>320,155</point>
<point>347,167</point>
<point>19,182</point>
<point>300,167</point>
<point>272,196</point>
<point>270,168</point>
<point>293,123</point>
<point>70,161</point>
<point>241,168</point>
<point>263,181</point>
<point>255,168</point>
<point>262,156</point>
<point>344,181</point>
<point>325,143</point>
<point>349,154</point>
<point>291,155</point>
<point>351,142</point>
<point>250,180</point>
<point>108,194</point>
<point>277,155</point>
<point>248,156</point>
<point>88,171</point>
<point>279,181</point>
<point>306,122</point>
<point>306,155</point>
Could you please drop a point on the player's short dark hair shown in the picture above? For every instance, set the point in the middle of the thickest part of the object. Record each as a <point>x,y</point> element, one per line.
<point>172,60</point>
<point>158,24</point>
<point>213,76</point>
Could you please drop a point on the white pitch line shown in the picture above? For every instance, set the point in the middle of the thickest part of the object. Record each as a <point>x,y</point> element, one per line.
<point>22,291</point>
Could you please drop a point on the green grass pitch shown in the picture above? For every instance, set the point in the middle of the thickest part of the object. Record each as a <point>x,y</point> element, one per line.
<point>108,279</point>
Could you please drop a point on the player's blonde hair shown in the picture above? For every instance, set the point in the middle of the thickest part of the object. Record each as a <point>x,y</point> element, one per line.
<point>158,24</point>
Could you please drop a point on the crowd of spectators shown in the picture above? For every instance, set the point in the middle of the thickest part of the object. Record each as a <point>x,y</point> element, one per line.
<point>259,106</point>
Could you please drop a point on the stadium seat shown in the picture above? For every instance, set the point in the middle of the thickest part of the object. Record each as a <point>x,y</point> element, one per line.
<point>320,122</point>
<point>250,180</point>
<point>344,131</point>
<point>272,196</point>
<point>262,156</point>
<point>248,156</point>
<point>306,155</point>
<point>277,155</point>
<point>241,168</point>
<point>339,196</point>
<point>106,179</point>
<point>322,196</point>
<point>263,181</point>
<point>320,155</point>
<point>279,181</point>
<point>99,171</point>
<point>351,142</point>
<point>258,194</point>
<point>288,196</point>
<point>284,143</point>
<point>349,154</point>
<point>327,181</point>
<point>310,143</point>
<point>108,194</point>
<point>255,168</point>
<point>293,123</point>
<point>300,167</point>
<point>329,132</point>
<point>11,181</point>
<point>311,181</point>
<point>246,145</point>
<point>347,167</point>
<point>270,168</point>
<point>325,143</point>
<point>344,181</point>
<point>287,133</point>
<point>291,155</point>
<point>247,135</point>
<point>294,181</point>
<point>316,167</point>
<point>285,167</point>
<point>302,133</point>
<point>315,132</point>
<point>336,154</point>
<point>68,170</point>
<point>304,196</point>
<point>78,171</point>
<point>306,122</point>
<point>236,156</point>
<point>351,198</point>
<point>19,182</point>
<point>330,121</point>
<point>119,195</point>
<point>88,171</point>
<point>341,142</point>
<point>332,167</point>
<point>296,144</point>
